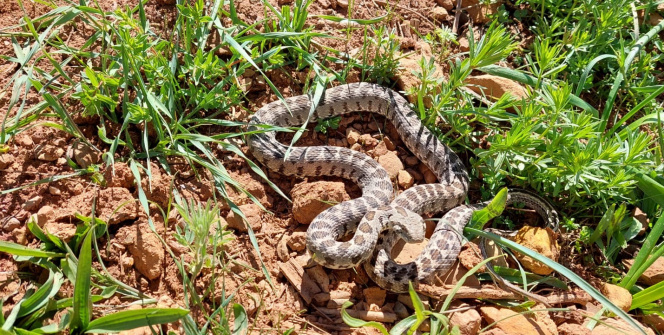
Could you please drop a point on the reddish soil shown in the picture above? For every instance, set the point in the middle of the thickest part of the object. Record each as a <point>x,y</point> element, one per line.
<point>134,255</point>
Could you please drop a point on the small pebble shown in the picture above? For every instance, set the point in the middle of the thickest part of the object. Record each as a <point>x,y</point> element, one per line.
<point>32,203</point>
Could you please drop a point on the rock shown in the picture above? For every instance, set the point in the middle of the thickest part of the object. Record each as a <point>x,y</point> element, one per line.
<point>352,135</point>
<point>654,321</point>
<point>511,322</point>
<point>640,216</point>
<point>480,12</point>
<point>464,44</point>
<point>495,87</point>
<point>392,164</point>
<point>468,321</point>
<point>252,212</point>
<point>618,295</point>
<point>52,190</point>
<point>573,329</point>
<point>418,176</point>
<point>439,13</point>
<point>321,298</point>
<point>148,252</point>
<point>375,296</point>
<point>412,161</point>
<point>614,326</point>
<point>251,185</point>
<point>24,140</point>
<point>429,176</point>
<point>405,299</point>
<point>310,199</point>
<point>84,155</point>
<point>453,276</point>
<point>119,175</point>
<point>404,179</point>
<point>407,81</point>
<point>342,3</point>
<point>5,161</point>
<point>282,250</point>
<point>44,214</point>
<point>356,147</point>
<point>400,310</point>
<point>381,149</point>
<point>32,203</point>
<point>318,274</point>
<point>48,153</point>
<point>389,144</point>
<point>63,230</point>
<point>470,256</point>
<point>368,141</point>
<point>653,275</point>
<point>543,241</point>
<point>447,4</point>
<point>11,224</point>
<point>20,235</point>
<point>297,241</point>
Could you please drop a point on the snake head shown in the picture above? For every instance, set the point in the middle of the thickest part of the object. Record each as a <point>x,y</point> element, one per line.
<point>407,224</point>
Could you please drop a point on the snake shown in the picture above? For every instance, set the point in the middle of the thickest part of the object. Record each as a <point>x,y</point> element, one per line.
<point>375,220</point>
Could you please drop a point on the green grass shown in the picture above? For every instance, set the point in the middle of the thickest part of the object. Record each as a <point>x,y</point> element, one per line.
<point>579,138</point>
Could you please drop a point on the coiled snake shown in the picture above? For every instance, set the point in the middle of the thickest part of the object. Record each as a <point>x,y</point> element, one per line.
<point>375,212</point>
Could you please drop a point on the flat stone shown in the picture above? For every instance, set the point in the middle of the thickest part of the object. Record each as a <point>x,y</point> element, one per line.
<point>375,296</point>
<point>392,164</point>
<point>297,241</point>
<point>405,180</point>
<point>618,295</point>
<point>512,322</point>
<point>310,199</point>
<point>653,275</point>
<point>32,203</point>
<point>352,136</point>
<point>495,87</point>
<point>252,213</point>
<point>49,153</point>
<point>541,240</point>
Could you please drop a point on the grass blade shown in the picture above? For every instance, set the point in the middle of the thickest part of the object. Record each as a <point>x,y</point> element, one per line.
<point>132,319</point>
<point>42,295</point>
<point>19,250</point>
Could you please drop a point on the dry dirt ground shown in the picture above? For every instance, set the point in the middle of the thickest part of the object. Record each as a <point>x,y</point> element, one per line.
<point>305,298</point>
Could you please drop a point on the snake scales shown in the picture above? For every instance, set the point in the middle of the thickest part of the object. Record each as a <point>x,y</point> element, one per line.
<point>376,219</point>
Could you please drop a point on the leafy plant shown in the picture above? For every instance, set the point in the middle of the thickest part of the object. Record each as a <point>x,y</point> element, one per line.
<point>37,306</point>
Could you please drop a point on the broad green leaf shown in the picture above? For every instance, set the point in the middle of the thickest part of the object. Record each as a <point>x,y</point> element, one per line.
<point>127,320</point>
<point>492,210</point>
<point>82,302</point>
<point>404,325</point>
<point>241,322</point>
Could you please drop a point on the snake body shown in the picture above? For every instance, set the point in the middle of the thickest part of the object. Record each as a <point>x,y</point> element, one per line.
<point>445,241</point>
<point>367,216</point>
<point>375,221</point>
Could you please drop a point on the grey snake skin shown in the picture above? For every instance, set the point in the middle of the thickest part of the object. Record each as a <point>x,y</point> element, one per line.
<point>375,219</point>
